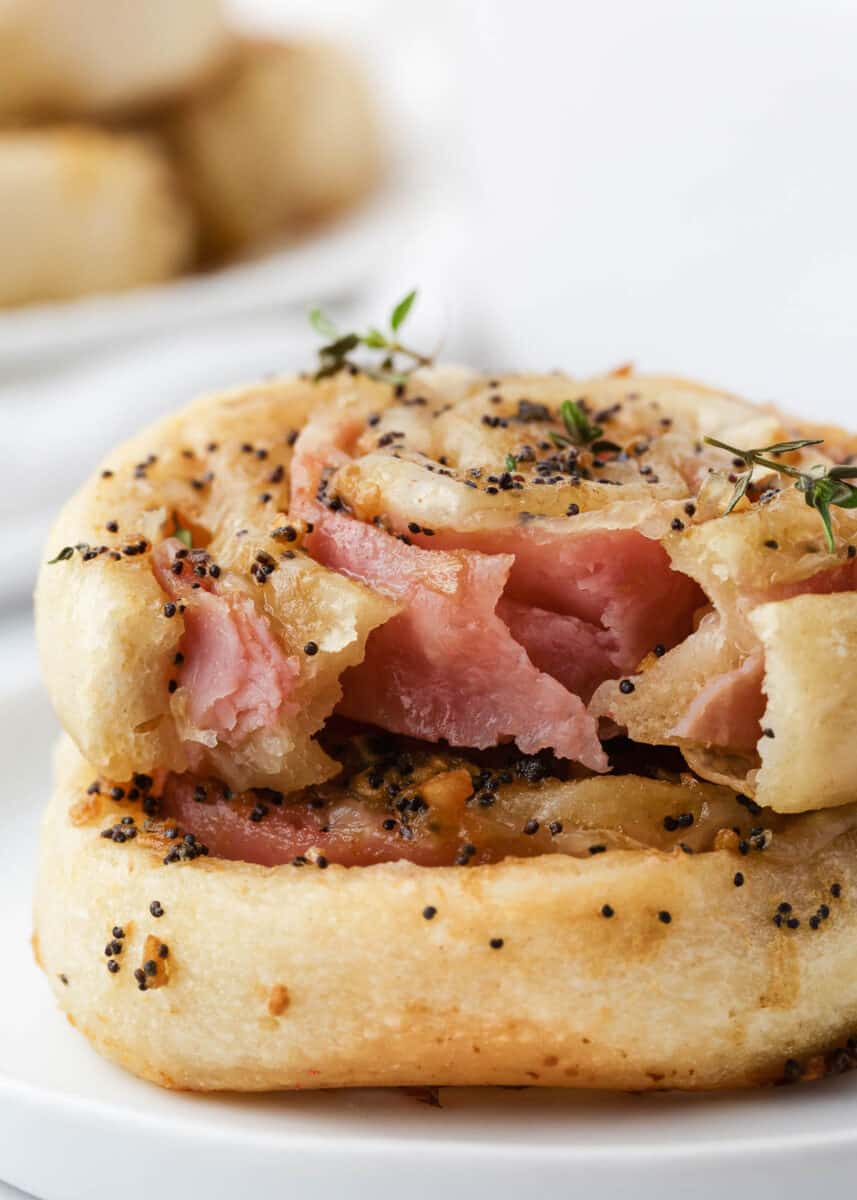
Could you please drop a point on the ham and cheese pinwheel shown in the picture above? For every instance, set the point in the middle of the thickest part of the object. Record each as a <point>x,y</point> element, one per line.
<point>494,718</point>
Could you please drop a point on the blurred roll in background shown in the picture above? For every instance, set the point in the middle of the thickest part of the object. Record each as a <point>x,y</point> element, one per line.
<point>143,141</point>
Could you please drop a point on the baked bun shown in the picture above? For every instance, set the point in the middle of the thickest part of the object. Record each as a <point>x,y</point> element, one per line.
<point>286,137</point>
<point>102,57</point>
<point>644,966</point>
<point>456,730</point>
<point>86,211</point>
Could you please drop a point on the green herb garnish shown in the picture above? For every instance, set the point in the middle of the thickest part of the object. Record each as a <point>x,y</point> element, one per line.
<point>580,431</point>
<point>184,535</point>
<point>67,552</point>
<point>822,487</point>
<point>511,462</point>
<point>334,355</point>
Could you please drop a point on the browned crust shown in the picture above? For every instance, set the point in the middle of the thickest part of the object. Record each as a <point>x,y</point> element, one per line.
<point>286,979</point>
<point>278,1000</point>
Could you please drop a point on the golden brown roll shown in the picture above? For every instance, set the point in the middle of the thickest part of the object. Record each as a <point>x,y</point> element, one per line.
<point>288,136</point>
<point>642,966</point>
<point>65,58</point>
<point>447,728</point>
<point>86,211</point>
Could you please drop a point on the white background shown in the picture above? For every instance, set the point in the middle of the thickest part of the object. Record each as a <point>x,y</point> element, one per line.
<point>671,181</point>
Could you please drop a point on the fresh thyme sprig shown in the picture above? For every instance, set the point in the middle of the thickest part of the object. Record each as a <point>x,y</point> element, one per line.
<point>580,431</point>
<point>64,554</point>
<point>334,355</point>
<point>822,487</point>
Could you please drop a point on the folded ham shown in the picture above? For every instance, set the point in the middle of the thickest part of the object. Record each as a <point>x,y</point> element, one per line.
<point>716,695</point>
<point>614,567</point>
<point>473,562</point>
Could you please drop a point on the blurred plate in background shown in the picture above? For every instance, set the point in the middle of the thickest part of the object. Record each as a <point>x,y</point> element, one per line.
<point>328,264</point>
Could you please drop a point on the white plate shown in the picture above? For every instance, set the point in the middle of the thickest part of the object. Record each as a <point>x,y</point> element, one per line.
<point>73,1126</point>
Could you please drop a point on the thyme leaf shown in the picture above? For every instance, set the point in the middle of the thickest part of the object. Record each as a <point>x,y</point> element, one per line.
<point>580,429</point>
<point>822,487</point>
<point>67,552</point>
<point>334,355</point>
<point>321,324</point>
<point>400,312</point>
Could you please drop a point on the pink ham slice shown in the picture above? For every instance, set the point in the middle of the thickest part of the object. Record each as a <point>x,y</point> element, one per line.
<point>577,654</point>
<point>728,711</point>
<point>347,837</point>
<point>447,666</point>
<point>837,579</point>
<point>235,674</point>
<point>617,582</point>
<point>585,607</point>
<point>269,829</point>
